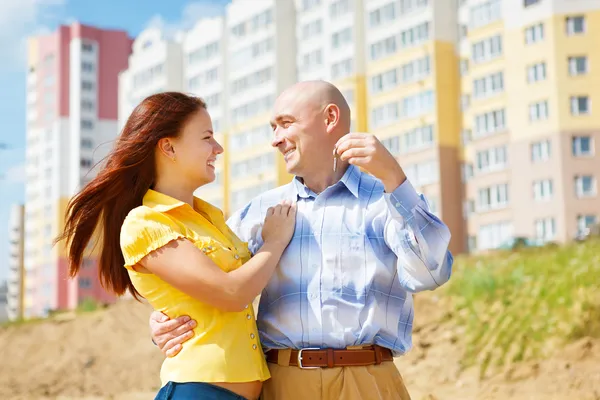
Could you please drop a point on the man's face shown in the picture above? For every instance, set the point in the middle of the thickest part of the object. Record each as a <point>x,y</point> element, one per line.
<point>298,128</point>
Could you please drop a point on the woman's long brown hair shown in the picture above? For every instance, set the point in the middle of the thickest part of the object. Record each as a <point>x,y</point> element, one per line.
<point>121,185</point>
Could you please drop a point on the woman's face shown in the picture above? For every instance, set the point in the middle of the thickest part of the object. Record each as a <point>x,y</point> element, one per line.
<point>196,150</point>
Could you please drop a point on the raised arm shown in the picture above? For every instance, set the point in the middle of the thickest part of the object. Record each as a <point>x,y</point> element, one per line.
<point>181,264</point>
<point>417,237</point>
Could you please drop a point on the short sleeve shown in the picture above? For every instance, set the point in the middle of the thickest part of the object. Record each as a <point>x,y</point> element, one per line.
<point>144,231</point>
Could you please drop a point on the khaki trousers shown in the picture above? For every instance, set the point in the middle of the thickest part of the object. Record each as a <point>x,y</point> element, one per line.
<point>373,382</point>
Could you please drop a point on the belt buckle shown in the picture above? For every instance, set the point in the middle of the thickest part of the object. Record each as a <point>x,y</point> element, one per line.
<point>300,357</point>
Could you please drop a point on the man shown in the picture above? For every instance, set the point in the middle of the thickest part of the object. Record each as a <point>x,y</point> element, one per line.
<point>363,244</point>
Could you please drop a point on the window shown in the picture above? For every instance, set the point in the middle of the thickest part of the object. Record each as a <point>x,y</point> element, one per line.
<point>384,115</point>
<point>416,70</point>
<point>384,81</point>
<point>339,8</point>
<point>580,105</point>
<point>407,6</point>
<point>342,69</point>
<point>585,221</point>
<point>485,13</point>
<point>85,163</point>
<point>527,3</point>
<point>384,47</point>
<point>575,25</point>
<point>415,35</point>
<point>252,108</point>
<point>540,151</point>
<point>464,67</point>
<point>578,65</point>
<point>312,28</point>
<point>254,24</point>
<point>341,38</point>
<point>488,85</point>
<point>492,236</point>
<point>148,76</point>
<point>582,146</point>
<point>545,229</point>
<point>312,60</point>
<point>417,104</point>
<point>543,190</point>
<point>87,66</point>
<point>239,198</point>
<point>492,159</point>
<point>534,34</point>
<point>490,122</point>
<point>493,197</point>
<point>87,86</point>
<point>86,143</point>
<point>87,124</point>
<point>585,185</point>
<point>424,173</point>
<point>308,4</point>
<point>392,145</point>
<point>538,111</point>
<point>252,137</point>
<point>487,49</point>
<point>212,101</point>
<point>536,72</point>
<point>253,166</point>
<point>87,105</point>
<point>252,52</point>
<point>205,78</point>
<point>87,47</point>
<point>382,15</point>
<point>204,53</point>
<point>252,80</point>
<point>417,139</point>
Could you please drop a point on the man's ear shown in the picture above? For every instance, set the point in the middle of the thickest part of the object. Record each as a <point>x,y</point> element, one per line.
<point>165,145</point>
<point>332,117</point>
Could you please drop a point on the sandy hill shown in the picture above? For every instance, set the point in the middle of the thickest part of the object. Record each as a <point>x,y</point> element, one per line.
<point>518,326</point>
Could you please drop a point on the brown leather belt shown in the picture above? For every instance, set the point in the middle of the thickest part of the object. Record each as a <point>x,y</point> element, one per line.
<point>329,358</point>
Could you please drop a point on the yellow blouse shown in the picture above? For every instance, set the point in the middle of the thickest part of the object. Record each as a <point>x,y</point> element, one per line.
<point>225,346</point>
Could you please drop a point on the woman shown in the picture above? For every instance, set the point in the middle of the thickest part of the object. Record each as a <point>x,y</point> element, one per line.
<point>175,250</point>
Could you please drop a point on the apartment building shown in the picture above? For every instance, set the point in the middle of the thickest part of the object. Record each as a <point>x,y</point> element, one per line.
<point>71,121</point>
<point>413,90</point>
<point>154,66</point>
<point>530,129</point>
<point>331,46</point>
<point>261,64</point>
<point>16,272</point>
<point>204,50</point>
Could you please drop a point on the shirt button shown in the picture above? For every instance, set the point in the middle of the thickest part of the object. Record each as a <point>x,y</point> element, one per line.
<point>397,204</point>
<point>248,316</point>
<point>313,295</point>
<point>246,306</point>
<point>236,257</point>
<point>254,346</point>
<point>252,336</point>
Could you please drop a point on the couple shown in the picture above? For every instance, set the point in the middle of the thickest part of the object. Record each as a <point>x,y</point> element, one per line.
<point>335,254</point>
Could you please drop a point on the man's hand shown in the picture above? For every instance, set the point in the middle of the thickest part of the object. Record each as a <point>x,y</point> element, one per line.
<point>170,334</point>
<point>366,151</point>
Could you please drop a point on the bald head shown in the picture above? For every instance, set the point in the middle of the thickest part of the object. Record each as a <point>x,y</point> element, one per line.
<point>317,95</point>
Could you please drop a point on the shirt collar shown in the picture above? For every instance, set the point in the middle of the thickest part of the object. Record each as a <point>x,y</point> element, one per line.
<point>350,180</point>
<point>163,203</point>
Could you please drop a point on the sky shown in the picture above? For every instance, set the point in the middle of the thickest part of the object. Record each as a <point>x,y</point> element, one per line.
<point>22,18</point>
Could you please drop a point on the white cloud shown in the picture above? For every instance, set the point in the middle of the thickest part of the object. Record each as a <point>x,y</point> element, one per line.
<point>20,19</point>
<point>15,174</point>
<point>191,13</point>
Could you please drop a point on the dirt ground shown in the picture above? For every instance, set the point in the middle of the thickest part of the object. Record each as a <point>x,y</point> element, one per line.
<point>109,355</point>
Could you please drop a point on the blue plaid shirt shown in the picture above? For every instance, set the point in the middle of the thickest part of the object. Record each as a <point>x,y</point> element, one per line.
<point>356,256</point>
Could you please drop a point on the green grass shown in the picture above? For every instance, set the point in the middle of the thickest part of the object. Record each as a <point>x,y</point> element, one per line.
<point>521,305</point>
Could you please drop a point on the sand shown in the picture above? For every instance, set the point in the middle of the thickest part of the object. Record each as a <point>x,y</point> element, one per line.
<point>108,354</point>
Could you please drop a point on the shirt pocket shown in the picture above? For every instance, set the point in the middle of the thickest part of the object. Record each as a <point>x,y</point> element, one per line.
<point>225,258</point>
